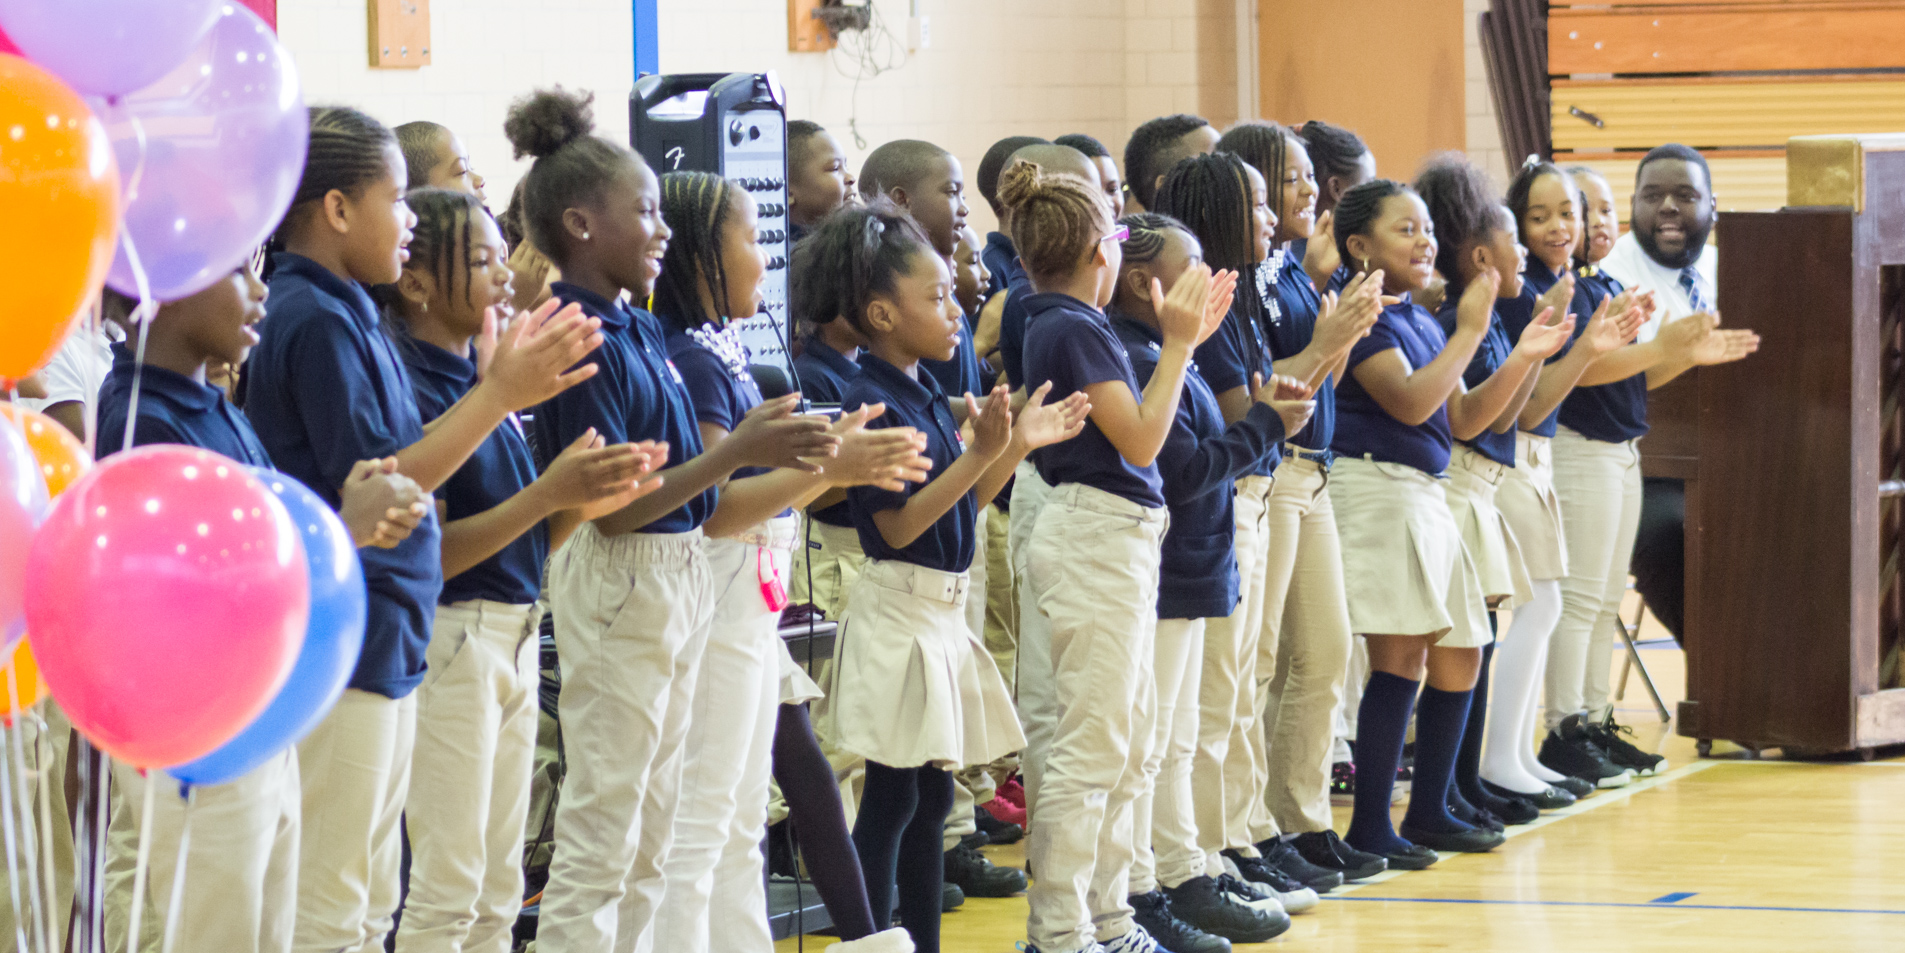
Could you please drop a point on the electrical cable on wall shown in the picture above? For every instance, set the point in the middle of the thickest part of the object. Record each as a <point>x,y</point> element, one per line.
<point>869,52</point>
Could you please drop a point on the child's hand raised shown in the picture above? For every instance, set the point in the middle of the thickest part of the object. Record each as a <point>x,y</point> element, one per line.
<point>1320,256</point>
<point>1344,319</point>
<point>381,506</point>
<point>1558,297</point>
<point>1289,397</point>
<point>991,424</point>
<point>772,435</point>
<point>1545,336</point>
<point>1041,424</point>
<point>1477,306</point>
<point>888,459</point>
<point>1184,315</point>
<point>1724,345</point>
<point>1608,329</point>
<point>598,479</point>
<point>534,354</point>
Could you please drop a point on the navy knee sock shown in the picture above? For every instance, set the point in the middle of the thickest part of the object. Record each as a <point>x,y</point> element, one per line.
<point>1381,722</point>
<point>1468,764</point>
<point>1441,718</point>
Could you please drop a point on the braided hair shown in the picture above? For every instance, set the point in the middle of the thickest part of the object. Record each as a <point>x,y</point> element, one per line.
<point>346,155</point>
<point>1149,141</point>
<point>1150,233</point>
<point>1055,219</point>
<point>440,246</point>
<point>1464,207</point>
<point>696,206</point>
<point>1266,147</point>
<point>1360,207</point>
<point>1333,150</point>
<point>418,140</point>
<point>1212,196</point>
<point>572,167</point>
<point>851,256</point>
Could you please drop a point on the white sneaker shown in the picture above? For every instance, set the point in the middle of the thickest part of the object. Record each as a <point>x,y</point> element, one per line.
<point>896,940</point>
<point>1137,941</point>
<point>1253,895</point>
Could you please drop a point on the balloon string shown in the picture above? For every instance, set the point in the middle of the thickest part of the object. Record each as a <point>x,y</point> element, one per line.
<point>95,376</point>
<point>177,902</point>
<point>143,314</point>
<point>28,840</point>
<point>44,760</point>
<point>13,858</point>
<point>102,803</point>
<point>139,867</point>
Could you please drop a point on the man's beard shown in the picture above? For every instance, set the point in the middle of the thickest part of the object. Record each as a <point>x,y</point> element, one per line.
<point>1690,253</point>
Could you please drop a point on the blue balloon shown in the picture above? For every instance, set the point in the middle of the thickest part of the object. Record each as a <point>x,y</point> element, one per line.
<point>332,641</point>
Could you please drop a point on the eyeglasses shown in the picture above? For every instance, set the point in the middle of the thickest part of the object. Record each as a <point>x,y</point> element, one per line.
<point>1118,234</point>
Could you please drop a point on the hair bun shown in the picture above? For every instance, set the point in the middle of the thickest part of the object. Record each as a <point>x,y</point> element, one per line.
<point>548,119</point>
<point>1021,183</point>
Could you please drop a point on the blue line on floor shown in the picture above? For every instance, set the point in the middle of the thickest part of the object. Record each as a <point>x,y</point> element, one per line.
<point>1587,903</point>
<point>1672,898</point>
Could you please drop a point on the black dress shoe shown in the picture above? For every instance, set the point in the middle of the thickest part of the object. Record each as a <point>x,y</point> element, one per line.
<point>1576,787</point>
<point>1417,857</point>
<point>1473,841</point>
<point>1548,799</point>
<point>951,898</point>
<point>977,877</point>
<point>997,831</point>
<point>1280,854</point>
<point>1325,849</point>
<point>1517,810</point>
<point>1473,816</point>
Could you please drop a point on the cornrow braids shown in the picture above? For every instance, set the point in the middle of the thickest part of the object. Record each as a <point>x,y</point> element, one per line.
<point>418,140</point>
<point>1464,207</point>
<point>1147,142</point>
<point>440,246</point>
<point>346,155</point>
<point>1333,149</point>
<point>696,206</point>
<point>1266,147</point>
<point>851,256</point>
<point>572,167</point>
<point>1360,207</point>
<point>1055,220</point>
<point>1150,233</point>
<point>1211,195</point>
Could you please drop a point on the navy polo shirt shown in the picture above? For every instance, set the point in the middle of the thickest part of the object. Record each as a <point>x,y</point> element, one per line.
<point>1070,343</point>
<point>1001,259</point>
<point>960,375</point>
<point>1201,460</point>
<point>635,395</point>
<point>1516,315</point>
<point>1237,350</point>
<point>499,469</point>
<point>721,395</point>
<point>326,388</point>
<point>1290,311</point>
<point>1362,426</point>
<point>1013,319</point>
<point>1489,357</point>
<point>173,408</point>
<point>1612,413</point>
<point>948,544</point>
<point>824,375</point>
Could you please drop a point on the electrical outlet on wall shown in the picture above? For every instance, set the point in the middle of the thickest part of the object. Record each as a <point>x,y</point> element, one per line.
<point>919,32</point>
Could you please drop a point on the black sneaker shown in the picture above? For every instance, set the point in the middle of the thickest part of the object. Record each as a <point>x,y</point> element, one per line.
<point>1551,798</point>
<point>1326,850</point>
<point>977,877</point>
<point>1343,783</point>
<point>1607,736</point>
<point>1475,841</point>
<point>1279,854</point>
<point>1293,896</point>
<point>1200,903</point>
<point>1569,750</point>
<point>997,831</point>
<point>1154,912</point>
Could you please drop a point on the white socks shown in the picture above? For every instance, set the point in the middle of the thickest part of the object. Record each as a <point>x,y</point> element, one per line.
<point>1508,760</point>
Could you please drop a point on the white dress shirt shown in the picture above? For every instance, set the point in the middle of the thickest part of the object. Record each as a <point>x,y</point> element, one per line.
<point>1629,265</point>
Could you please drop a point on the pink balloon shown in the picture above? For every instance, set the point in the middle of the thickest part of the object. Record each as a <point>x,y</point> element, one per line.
<point>167,595</point>
<point>107,47</point>
<point>218,144</point>
<point>22,504</point>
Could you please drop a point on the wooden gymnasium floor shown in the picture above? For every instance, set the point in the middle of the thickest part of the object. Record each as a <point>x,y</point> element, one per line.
<point>1723,854</point>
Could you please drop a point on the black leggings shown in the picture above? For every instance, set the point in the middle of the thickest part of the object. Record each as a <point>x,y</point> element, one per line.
<point>900,832</point>
<point>820,823</point>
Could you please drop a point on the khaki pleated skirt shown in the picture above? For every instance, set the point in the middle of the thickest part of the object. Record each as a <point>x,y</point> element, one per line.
<point>1528,502</point>
<point>1474,481</point>
<point>1405,570</point>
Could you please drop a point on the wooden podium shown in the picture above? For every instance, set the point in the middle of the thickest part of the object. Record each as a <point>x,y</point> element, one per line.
<point>1792,459</point>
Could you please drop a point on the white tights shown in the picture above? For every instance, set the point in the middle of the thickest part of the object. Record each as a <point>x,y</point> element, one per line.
<point>1508,760</point>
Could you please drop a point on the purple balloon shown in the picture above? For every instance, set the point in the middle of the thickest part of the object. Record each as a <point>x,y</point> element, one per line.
<point>22,505</point>
<point>225,135</point>
<point>107,47</point>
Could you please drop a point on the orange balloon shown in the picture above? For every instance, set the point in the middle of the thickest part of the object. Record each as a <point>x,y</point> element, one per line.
<point>59,185</point>
<point>62,457</point>
<point>26,680</point>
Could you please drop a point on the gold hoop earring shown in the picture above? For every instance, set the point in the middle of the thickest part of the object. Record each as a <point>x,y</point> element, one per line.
<point>1365,263</point>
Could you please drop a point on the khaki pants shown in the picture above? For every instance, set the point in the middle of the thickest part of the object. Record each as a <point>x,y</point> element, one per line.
<point>715,894</point>
<point>995,597</point>
<point>1094,567</point>
<point>632,615</point>
<point>469,785</point>
<point>1164,823</point>
<point>1032,682</point>
<point>1600,489</point>
<point>1223,772</point>
<point>241,868</point>
<point>355,769</point>
<point>1303,657</point>
<point>1001,634</point>
<point>827,561</point>
<point>44,735</point>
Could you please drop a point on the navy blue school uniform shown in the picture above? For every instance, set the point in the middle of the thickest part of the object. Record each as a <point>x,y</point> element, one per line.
<point>1201,459</point>
<point>1516,315</point>
<point>1363,428</point>
<point>1238,350</point>
<point>325,388</point>
<point>919,403</point>
<point>1290,310</point>
<point>824,375</point>
<point>501,467</point>
<point>173,408</point>
<point>1070,343</point>
<point>1489,357</point>
<point>720,388</point>
<point>1615,412</point>
<point>636,394</point>
<point>1001,259</point>
<point>1013,319</point>
<point>960,375</point>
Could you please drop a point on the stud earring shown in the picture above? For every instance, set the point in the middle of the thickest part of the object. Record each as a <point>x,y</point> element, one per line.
<point>585,236</point>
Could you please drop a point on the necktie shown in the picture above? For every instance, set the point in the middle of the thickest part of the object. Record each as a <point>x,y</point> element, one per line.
<point>1690,281</point>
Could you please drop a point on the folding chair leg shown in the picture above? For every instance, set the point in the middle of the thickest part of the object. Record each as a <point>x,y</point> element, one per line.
<point>1634,661</point>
